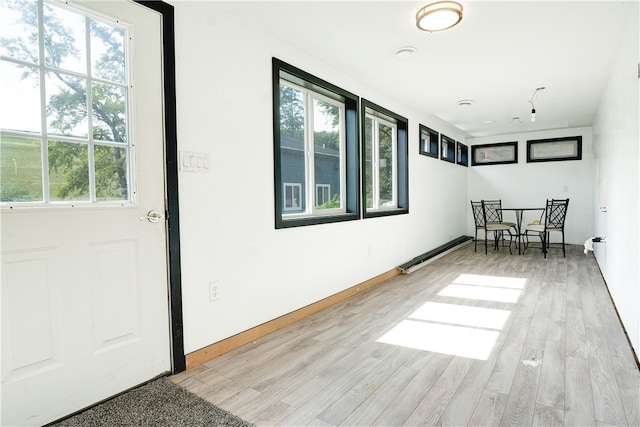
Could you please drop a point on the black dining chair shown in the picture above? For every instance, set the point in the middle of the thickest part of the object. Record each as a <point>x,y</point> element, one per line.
<point>478,219</point>
<point>482,223</point>
<point>554,217</point>
<point>494,215</point>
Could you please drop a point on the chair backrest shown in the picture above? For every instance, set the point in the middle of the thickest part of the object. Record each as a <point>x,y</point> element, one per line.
<point>492,212</point>
<point>478,214</point>
<point>556,213</point>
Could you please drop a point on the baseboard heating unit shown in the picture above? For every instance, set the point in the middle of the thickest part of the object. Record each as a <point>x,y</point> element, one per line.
<point>434,254</point>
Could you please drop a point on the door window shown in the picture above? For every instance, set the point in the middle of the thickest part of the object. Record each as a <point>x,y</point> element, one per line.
<point>64,133</point>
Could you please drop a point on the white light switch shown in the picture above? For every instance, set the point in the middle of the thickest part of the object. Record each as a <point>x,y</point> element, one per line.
<point>194,162</point>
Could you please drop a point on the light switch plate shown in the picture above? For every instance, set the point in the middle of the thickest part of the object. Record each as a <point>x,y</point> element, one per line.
<point>192,161</point>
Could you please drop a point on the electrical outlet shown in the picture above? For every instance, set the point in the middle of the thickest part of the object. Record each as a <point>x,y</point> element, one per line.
<point>214,291</point>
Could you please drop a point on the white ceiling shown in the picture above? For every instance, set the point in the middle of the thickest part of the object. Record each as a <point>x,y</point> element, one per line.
<point>497,56</point>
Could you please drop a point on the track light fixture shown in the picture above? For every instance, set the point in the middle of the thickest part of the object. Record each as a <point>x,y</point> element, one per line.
<point>533,107</point>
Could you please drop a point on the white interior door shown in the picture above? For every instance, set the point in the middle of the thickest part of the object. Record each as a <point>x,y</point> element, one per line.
<point>84,283</point>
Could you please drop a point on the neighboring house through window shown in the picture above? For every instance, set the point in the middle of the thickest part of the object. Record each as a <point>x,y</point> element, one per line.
<point>315,149</point>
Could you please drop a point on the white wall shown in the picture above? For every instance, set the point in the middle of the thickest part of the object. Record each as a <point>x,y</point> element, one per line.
<point>224,108</point>
<point>616,139</point>
<point>525,184</point>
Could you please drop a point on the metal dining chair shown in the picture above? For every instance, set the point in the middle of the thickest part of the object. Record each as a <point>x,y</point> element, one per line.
<point>482,223</point>
<point>494,215</point>
<point>554,214</point>
<point>478,219</point>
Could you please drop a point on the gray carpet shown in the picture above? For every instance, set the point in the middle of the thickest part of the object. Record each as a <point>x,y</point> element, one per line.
<point>158,403</point>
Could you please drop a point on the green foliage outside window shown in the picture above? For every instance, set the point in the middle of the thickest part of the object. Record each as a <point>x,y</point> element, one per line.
<point>67,111</point>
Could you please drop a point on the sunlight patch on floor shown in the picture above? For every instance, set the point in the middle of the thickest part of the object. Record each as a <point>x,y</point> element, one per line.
<point>481,293</point>
<point>456,329</point>
<point>447,339</point>
<point>478,317</point>
<point>492,281</point>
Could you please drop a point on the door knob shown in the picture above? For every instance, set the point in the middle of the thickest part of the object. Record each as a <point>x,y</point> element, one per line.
<point>152,216</point>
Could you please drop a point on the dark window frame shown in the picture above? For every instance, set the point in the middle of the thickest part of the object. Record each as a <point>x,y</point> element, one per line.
<point>433,142</point>
<point>352,160</point>
<point>402,166</point>
<point>475,161</point>
<point>462,154</point>
<point>450,155</point>
<point>577,140</point>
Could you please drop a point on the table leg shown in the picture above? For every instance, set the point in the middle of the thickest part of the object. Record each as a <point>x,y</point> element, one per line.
<point>519,228</point>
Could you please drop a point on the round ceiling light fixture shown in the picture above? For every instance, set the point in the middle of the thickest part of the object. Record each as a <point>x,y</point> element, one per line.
<point>465,103</point>
<point>439,16</point>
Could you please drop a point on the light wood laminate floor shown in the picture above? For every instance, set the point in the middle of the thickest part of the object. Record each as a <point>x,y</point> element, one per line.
<point>470,339</point>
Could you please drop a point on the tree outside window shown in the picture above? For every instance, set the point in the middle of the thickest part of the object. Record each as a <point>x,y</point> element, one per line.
<point>65,135</point>
<point>311,149</point>
<point>380,161</point>
<point>385,161</point>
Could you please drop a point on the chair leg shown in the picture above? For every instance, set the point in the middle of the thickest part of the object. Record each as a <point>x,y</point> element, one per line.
<point>544,243</point>
<point>475,242</point>
<point>564,254</point>
<point>485,242</point>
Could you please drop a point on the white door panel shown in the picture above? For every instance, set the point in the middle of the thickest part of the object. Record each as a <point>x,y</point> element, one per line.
<point>84,289</point>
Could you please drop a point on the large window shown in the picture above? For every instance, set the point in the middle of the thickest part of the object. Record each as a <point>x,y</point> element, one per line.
<point>315,149</point>
<point>63,119</point>
<point>385,156</point>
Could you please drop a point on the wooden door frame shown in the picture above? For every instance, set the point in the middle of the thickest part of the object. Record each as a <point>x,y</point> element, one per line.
<point>178,360</point>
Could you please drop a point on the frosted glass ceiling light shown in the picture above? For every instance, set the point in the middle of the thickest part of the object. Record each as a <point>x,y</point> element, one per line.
<point>439,16</point>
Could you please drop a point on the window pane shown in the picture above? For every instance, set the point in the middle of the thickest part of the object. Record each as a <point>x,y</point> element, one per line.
<point>64,35</point>
<point>385,166</point>
<point>291,112</point>
<point>19,30</point>
<point>20,169</point>
<point>368,161</point>
<point>316,149</point>
<point>68,171</point>
<point>292,158</point>
<point>323,197</point>
<point>112,181</point>
<point>66,105</point>
<point>109,113</point>
<point>64,44</point>
<point>20,108</point>
<point>327,153</point>
<point>292,197</point>
<point>107,52</point>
